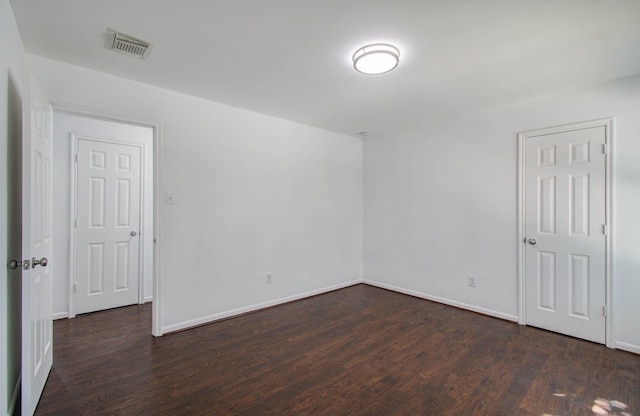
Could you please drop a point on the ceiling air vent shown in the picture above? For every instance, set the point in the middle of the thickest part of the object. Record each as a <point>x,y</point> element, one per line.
<point>127,44</point>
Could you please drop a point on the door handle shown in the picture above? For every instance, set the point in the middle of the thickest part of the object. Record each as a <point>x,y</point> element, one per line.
<point>42,262</point>
<point>133,233</point>
<point>532,241</point>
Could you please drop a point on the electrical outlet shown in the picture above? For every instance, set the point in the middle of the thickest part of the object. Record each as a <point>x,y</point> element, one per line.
<point>269,278</point>
<point>473,280</point>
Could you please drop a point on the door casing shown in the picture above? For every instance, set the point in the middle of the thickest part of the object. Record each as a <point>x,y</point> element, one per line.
<point>156,126</point>
<point>608,124</point>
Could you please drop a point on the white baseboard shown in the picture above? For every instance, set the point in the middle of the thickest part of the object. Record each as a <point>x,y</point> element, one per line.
<point>147,299</point>
<point>627,347</point>
<point>239,311</point>
<point>15,396</point>
<point>251,308</point>
<point>60,315</point>
<point>445,301</point>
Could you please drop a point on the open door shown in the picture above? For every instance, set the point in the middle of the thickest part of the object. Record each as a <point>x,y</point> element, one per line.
<point>37,215</point>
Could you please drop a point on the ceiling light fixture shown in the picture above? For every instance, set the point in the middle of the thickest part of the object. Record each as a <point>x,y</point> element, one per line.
<point>376,58</point>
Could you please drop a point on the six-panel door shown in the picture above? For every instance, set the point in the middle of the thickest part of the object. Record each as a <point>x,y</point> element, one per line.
<point>108,224</point>
<point>37,244</point>
<point>565,234</point>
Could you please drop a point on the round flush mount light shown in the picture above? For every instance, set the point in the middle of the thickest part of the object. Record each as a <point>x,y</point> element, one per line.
<point>376,58</point>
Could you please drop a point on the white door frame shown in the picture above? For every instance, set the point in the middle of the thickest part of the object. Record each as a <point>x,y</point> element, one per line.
<point>156,126</point>
<point>607,123</point>
<point>74,203</point>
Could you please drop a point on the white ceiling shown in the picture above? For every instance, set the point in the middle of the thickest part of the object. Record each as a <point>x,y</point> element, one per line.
<point>292,58</point>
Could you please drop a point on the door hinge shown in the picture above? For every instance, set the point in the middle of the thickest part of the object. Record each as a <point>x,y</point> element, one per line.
<point>604,149</point>
<point>75,222</point>
<point>605,311</point>
<point>605,229</point>
<point>76,158</point>
<point>75,288</point>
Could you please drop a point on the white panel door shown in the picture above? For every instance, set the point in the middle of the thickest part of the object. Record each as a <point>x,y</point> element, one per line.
<point>37,214</point>
<point>107,268</point>
<point>565,216</point>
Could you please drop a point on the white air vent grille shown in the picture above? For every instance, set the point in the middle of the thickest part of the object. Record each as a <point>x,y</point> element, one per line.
<point>127,44</point>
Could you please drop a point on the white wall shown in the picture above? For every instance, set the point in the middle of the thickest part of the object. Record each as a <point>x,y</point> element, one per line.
<point>63,126</point>
<point>253,195</point>
<point>11,69</point>
<point>441,204</point>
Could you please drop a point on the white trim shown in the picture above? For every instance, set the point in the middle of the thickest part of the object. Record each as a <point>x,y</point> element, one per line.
<point>521,272</point>
<point>103,115</point>
<point>143,230</point>
<point>607,123</point>
<point>60,315</point>
<point>158,190</point>
<point>72,221</point>
<point>610,329</point>
<point>252,308</point>
<point>158,185</point>
<point>15,396</point>
<point>445,301</point>
<point>147,299</point>
<point>627,347</point>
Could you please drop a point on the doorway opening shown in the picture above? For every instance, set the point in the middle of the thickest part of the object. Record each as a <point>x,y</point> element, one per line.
<point>126,268</point>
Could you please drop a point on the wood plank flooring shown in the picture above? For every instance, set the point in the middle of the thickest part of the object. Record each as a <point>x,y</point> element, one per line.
<point>356,351</point>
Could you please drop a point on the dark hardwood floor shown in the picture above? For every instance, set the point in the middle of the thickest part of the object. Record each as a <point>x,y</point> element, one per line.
<point>356,351</point>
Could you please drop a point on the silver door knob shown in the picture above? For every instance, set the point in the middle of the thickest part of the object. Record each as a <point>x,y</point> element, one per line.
<point>532,241</point>
<point>42,262</point>
<point>133,233</point>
